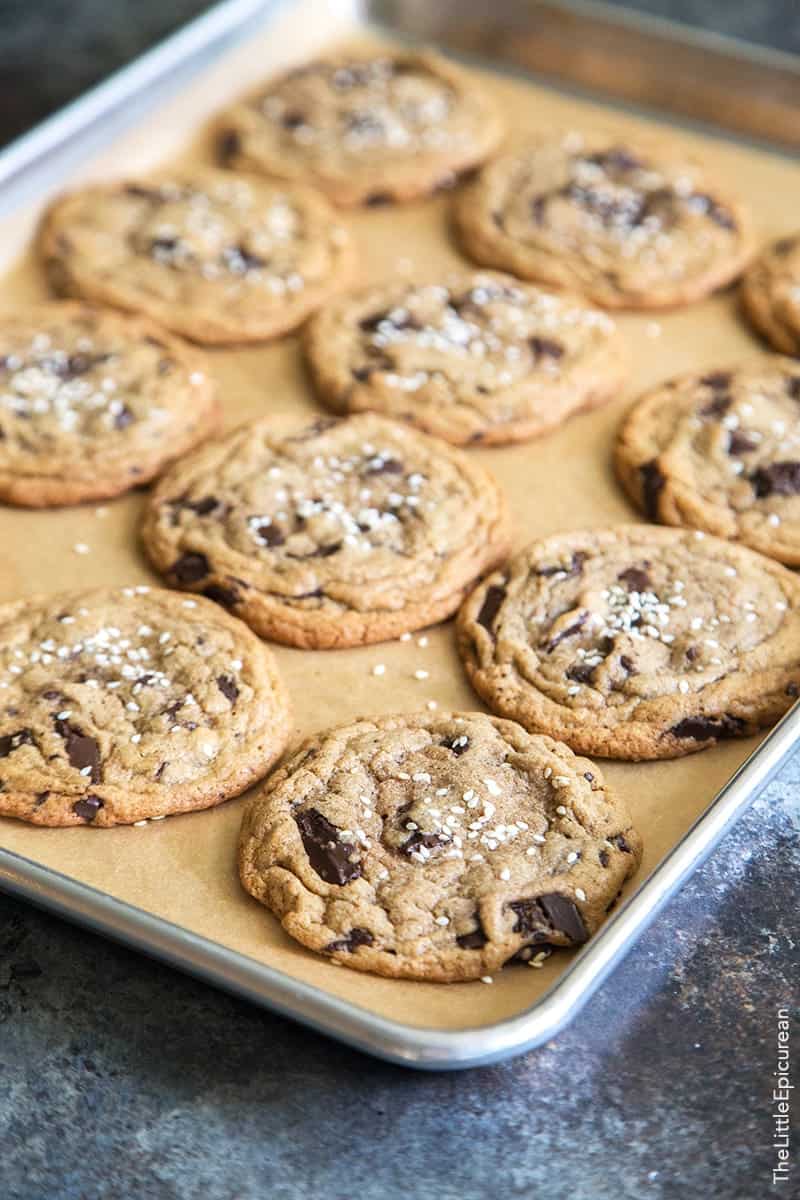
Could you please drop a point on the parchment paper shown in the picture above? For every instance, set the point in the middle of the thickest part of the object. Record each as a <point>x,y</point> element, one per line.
<point>183,868</point>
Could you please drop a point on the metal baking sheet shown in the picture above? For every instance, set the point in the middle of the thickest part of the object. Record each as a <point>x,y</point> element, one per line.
<point>170,889</point>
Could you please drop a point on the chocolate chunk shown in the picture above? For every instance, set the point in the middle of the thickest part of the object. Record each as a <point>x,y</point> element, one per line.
<point>574,568</point>
<point>226,596</point>
<point>227,686</point>
<point>190,568</point>
<point>476,939</point>
<point>458,744</point>
<point>362,374</point>
<point>12,741</point>
<point>715,211</point>
<point>779,479</point>
<point>355,938</point>
<point>541,916</point>
<point>604,858</point>
<point>652,483</point>
<point>546,347</point>
<point>387,466</point>
<point>82,750</point>
<point>87,808</point>
<point>627,664</point>
<point>740,443</point>
<point>538,209</point>
<point>270,535</point>
<point>429,840</point>
<point>702,728</point>
<point>329,857</point>
<point>718,406</point>
<point>619,841</point>
<point>229,145</point>
<point>615,159</point>
<point>589,776</point>
<point>202,507</point>
<point>492,602</point>
<point>569,632</point>
<point>692,652</point>
<point>124,418</point>
<point>377,199</point>
<point>581,672</point>
<point>635,579</point>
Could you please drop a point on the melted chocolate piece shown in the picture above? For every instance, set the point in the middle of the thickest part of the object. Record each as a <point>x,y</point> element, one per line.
<point>588,776</point>
<point>617,158</point>
<point>227,686</point>
<point>476,939</point>
<point>202,507</point>
<point>575,567</point>
<point>581,672</point>
<point>702,728</point>
<point>388,466</point>
<point>370,324</point>
<point>270,535</point>
<point>328,856</point>
<point>377,199</point>
<point>124,418</point>
<point>355,938</point>
<point>635,579</point>
<point>740,443</point>
<point>12,741</point>
<point>546,347</point>
<point>459,744</point>
<point>569,632</point>
<point>190,568</point>
<point>226,596</point>
<point>230,144</point>
<point>163,245</point>
<point>618,840</point>
<point>87,808</point>
<point>792,689</point>
<point>543,915</point>
<point>604,858</point>
<point>492,602</point>
<point>779,479</point>
<point>292,119</point>
<point>82,750</point>
<point>718,406</point>
<point>652,483</point>
<point>627,664</point>
<point>717,380</point>
<point>429,840</point>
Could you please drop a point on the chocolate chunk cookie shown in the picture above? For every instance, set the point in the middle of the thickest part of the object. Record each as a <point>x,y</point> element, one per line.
<point>720,451</point>
<point>118,705</point>
<point>366,128</point>
<point>436,848</point>
<point>93,403</point>
<point>770,294</point>
<point>631,226</point>
<point>336,534</point>
<point>218,257</point>
<point>474,358</point>
<point>636,642</point>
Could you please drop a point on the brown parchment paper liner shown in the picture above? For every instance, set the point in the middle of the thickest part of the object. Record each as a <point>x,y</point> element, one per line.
<point>183,868</point>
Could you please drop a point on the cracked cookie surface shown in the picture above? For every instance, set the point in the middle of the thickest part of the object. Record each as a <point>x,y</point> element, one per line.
<point>436,847</point>
<point>335,534</point>
<point>475,357</point>
<point>630,225</point>
<point>770,294</point>
<point>93,403</point>
<point>117,705</point>
<point>720,451</point>
<point>218,257</point>
<point>637,642</point>
<point>365,128</point>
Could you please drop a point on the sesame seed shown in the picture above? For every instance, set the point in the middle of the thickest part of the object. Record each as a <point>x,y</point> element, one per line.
<point>379,669</point>
<point>423,641</point>
<point>486,979</point>
<point>420,674</point>
<point>505,874</point>
<point>562,812</point>
<point>81,548</point>
<point>405,637</point>
<point>432,704</point>
<point>442,921</point>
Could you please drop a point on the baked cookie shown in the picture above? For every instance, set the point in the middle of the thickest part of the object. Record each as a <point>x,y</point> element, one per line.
<point>720,451</point>
<point>335,534</point>
<point>770,294</point>
<point>119,705</point>
<point>637,642</point>
<point>93,403</point>
<point>365,127</point>
<point>436,847</point>
<point>473,358</point>
<point>218,257</point>
<point>630,225</point>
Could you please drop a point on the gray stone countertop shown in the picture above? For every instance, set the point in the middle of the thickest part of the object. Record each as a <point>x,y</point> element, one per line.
<point>122,1079</point>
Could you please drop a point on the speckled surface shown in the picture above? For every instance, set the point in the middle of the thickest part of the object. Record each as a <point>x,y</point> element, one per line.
<point>120,1078</point>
